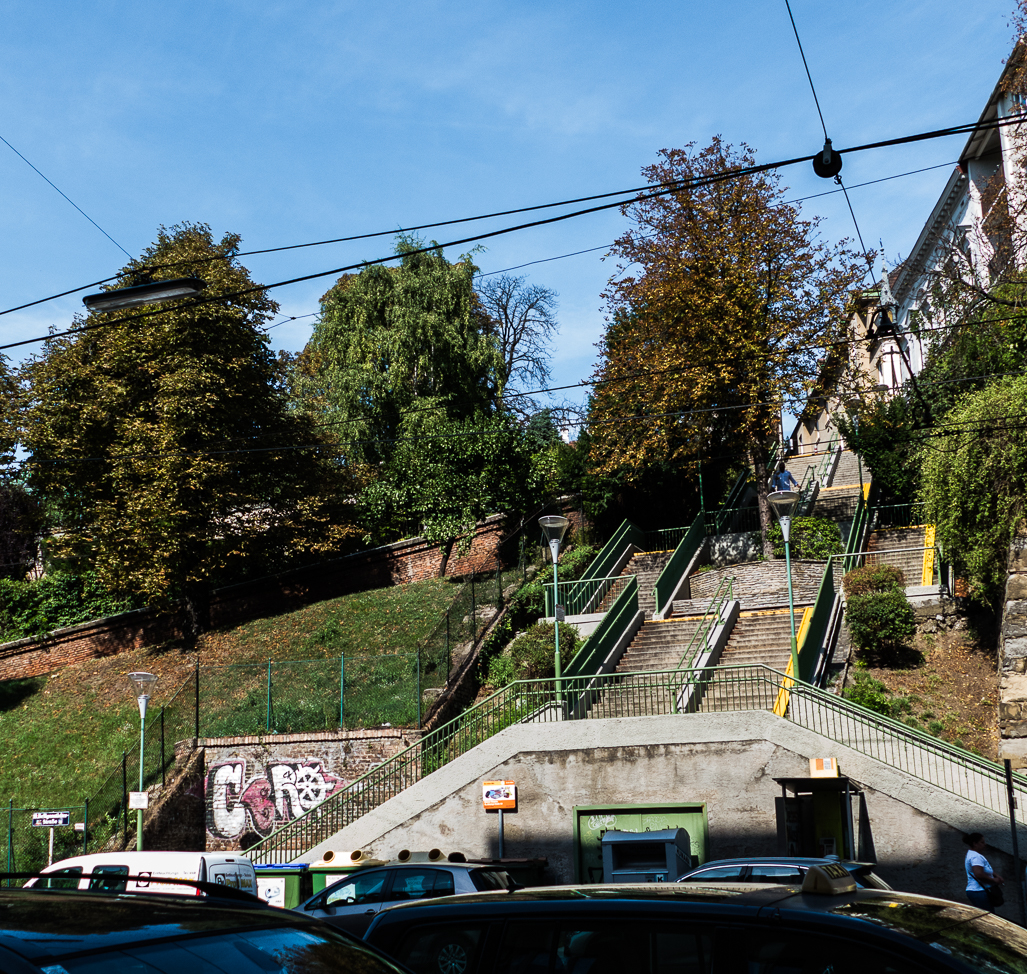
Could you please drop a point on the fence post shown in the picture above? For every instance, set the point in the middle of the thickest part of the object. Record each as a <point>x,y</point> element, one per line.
<point>474,614</point>
<point>163,781</point>
<point>124,795</point>
<point>10,836</point>
<point>418,686</point>
<point>268,725</point>
<point>197,708</point>
<point>449,659</point>
<point>85,827</point>
<point>342,691</point>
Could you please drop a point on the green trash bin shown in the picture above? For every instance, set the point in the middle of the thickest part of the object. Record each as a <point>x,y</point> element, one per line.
<point>285,885</point>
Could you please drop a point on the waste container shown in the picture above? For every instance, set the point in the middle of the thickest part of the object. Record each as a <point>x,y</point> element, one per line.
<point>646,857</point>
<point>285,885</point>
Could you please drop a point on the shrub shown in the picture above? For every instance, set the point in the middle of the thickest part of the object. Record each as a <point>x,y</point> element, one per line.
<point>869,693</point>
<point>880,622</point>
<point>531,655</point>
<point>873,578</point>
<point>815,538</point>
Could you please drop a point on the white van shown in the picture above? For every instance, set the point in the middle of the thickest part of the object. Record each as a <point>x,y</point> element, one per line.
<point>108,871</point>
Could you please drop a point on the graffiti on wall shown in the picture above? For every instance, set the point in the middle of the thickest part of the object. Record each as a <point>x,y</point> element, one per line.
<point>268,799</point>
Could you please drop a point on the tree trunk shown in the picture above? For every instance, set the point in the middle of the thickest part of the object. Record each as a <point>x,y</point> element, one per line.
<point>759,464</point>
<point>197,612</point>
<point>447,550</point>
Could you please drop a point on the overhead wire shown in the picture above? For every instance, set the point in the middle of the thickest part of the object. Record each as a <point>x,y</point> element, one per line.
<point>68,198</point>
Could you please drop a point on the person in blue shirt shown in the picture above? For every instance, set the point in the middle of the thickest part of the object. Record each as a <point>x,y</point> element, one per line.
<point>979,872</point>
<point>783,480</point>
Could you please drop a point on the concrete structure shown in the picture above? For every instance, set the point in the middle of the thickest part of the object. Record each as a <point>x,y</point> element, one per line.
<point>726,761</point>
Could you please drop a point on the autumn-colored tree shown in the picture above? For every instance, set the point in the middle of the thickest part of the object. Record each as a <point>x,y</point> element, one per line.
<point>720,309</point>
<point>163,444</point>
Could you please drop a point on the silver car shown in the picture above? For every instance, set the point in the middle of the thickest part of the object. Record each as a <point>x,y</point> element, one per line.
<point>354,901</point>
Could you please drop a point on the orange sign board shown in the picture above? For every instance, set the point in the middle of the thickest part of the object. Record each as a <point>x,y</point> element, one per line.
<point>498,794</point>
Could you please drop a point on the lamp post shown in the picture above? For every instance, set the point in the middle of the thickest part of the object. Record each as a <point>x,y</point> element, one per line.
<point>783,502</point>
<point>142,683</point>
<point>555,527</point>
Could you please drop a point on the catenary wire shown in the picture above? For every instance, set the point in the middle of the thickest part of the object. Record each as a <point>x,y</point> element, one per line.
<point>70,200</point>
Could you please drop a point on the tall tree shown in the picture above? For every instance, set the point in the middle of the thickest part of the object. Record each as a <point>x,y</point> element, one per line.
<point>522,319</point>
<point>723,301</point>
<point>164,444</point>
<point>390,339</point>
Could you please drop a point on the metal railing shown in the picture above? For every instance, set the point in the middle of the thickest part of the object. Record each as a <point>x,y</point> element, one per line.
<point>711,617</point>
<point>810,640</point>
<point>685,551</point>
<point>834,447</point>
<point>930,566</point>
<point>604,564</point>
<point>712,689</point>
<point>584,595</point>
<point>665,539</point>
<point>611,628</point>
<point>911,515</point>
<point>733,520</point>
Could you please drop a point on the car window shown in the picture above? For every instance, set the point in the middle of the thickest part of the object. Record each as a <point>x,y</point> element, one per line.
<point>775,873</point>
<point>286,950</point>
<point>440,948</point>
<point>486,879</point>
<point>61,878</point>
<point>358,888</point>
<point>719,873</point>
<point>608,947</point>
<point>418,884</point>
<point>106,879</point>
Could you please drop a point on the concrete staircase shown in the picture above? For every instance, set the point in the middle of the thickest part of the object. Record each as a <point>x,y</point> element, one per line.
<point>912,562</point>
<point>847,473</point>
<point>758,637</point>
<point>837,503</point>
<point>647,565</point>
<point>659,645</point>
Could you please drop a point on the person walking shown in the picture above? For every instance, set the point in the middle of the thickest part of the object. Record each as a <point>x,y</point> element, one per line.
<point>783,480</point>
<point>979,874</point>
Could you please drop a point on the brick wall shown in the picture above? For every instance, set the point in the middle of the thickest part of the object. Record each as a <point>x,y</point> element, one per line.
<point>395,564</point>
<point>254,785</point>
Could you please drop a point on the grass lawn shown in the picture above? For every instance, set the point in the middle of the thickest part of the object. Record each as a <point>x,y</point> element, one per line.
<point>62,734</point>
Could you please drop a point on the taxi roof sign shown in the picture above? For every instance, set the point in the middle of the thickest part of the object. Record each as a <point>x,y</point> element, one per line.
<point>830,879</point>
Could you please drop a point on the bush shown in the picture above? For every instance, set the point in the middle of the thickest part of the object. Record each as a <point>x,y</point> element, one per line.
<point>873,578</point>
<point>531,655</point>
<point>56,600</point>
<point>530,598</point>
<point>880,622</point>
<point>869,693</point>
<point>814,538</point>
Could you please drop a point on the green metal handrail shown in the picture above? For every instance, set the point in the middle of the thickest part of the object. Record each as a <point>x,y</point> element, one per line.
<point>710,618</point>
<point>825,464</point>
<point>679,561</point>
<point>583,595</point>
<point>912,514</point>
<point>813,634</point>
<point>603,564</point>
<point>734,519</point>
<point>732,688</point>
<point>610,629</point>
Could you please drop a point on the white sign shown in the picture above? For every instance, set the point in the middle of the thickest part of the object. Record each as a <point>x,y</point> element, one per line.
<point>51,820</point>
<point>80,826</point>
<point>138,799</point>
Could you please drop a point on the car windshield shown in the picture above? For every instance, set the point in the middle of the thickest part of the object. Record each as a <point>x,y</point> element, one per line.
<point>983,941</point>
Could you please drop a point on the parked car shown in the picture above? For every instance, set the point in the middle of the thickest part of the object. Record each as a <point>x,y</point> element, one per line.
<point>70,931</point>
<point>777,870</point>
<point>352,902</point>
<point>826,926</point>
<point>119,872</point>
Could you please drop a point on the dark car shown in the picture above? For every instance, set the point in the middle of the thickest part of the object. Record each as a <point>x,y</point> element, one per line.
<point>826,926</point>
<point>62,931</point>
<point>778,870</point>
<point>352,902</point>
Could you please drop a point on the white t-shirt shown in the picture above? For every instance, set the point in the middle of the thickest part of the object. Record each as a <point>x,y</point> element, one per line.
<point>974,858</point>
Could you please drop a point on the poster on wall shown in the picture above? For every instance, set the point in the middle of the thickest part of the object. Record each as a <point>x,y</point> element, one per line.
<point>499,794</point>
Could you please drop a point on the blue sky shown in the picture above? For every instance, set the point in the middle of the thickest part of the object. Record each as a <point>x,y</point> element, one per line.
<point>296,121</point>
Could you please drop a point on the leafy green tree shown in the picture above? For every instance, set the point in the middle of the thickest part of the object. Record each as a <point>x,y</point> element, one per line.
<point>975,482</point>
<point>723,296</point>
<point>164,445</point>
<point>391,339</point>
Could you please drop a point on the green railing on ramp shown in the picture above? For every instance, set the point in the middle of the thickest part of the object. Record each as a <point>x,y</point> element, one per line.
<point>669,578</point>
<point>605,636</point>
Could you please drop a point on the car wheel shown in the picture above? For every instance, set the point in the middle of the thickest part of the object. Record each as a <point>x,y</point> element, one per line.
<point>452,956</point>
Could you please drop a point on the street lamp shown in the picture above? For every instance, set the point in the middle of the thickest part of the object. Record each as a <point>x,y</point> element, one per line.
<point>783,503</point>
<point>555,527</point>
<point>151,293</point>
<point>142,683</point>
